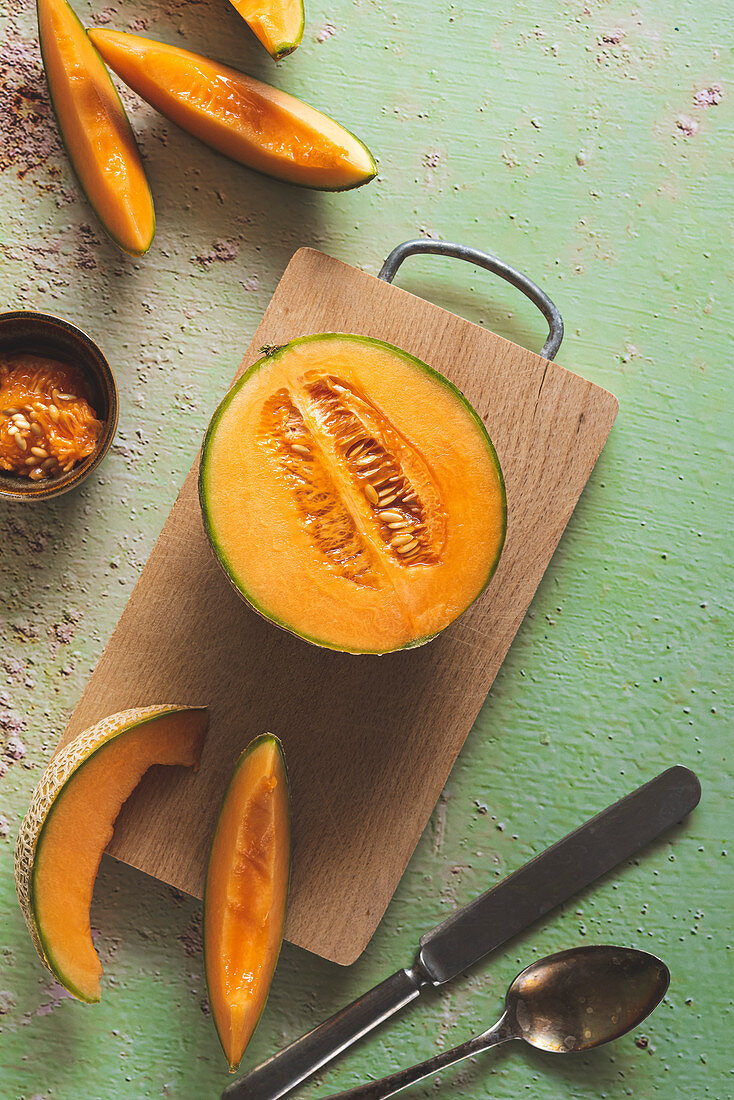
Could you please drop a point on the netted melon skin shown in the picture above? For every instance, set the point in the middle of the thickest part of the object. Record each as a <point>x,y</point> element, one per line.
<point>54,778</point>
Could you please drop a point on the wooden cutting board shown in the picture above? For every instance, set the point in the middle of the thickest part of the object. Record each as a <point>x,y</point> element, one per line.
<point>369,740</point>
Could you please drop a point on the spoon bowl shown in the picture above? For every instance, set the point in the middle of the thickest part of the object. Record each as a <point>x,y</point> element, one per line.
<point>562,1004</point>
<point>584,997</point>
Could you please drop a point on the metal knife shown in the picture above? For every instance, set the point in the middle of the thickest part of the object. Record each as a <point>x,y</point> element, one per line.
<point>484,924</point>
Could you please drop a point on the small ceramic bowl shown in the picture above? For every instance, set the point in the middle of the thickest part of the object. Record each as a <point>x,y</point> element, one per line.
<point>42,334</point>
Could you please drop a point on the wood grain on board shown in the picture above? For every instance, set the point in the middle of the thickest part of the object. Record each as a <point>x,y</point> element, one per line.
<point>369,740</point>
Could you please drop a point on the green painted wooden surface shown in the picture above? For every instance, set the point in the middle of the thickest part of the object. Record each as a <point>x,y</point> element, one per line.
<point>591,146</point>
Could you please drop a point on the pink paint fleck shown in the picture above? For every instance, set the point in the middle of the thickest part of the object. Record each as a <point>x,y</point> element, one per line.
<point>10,724</point>
<point>613,38</point>
<point>15,748</point>
<point>327,31</point>
<point>222,251</point>
<point>56,994</point>
<point>686,125</point>
<point>4,826</point>
<point>64,632</point>
<point>709,97</point>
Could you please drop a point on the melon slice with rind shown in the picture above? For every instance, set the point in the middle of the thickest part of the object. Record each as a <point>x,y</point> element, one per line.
<point>70,822</point>
<point>246,893</point>
<point>277,23</point>
<point>95,129</point>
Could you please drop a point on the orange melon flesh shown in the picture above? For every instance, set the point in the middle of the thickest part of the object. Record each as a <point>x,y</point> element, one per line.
<point>246,894</point>
<point>242,118</point>
<point>95,129</point>
<point>277,23</point>
<point>297,531</point>
<point>78,829</point>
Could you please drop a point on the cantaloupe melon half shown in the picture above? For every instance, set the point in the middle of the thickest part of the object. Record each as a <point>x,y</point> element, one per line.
<point>351,493</point>
<point>70,822</point>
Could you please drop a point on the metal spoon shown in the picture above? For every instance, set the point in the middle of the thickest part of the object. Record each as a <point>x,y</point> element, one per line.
<point>564,1003</point>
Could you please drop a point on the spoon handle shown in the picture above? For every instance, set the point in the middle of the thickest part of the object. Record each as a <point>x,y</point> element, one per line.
<point>388,1086</point>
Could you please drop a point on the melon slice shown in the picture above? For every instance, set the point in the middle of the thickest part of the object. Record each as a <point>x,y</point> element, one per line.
<point>70,823</point>
<point>277,23</point>
<point>246,120</point>
<point>95,129</point>
<point>351,494</point>
<point>246,893</point>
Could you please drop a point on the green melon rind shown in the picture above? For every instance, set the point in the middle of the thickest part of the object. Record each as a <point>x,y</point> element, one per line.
<point>262,739</point>
<point>278,352</point>
<point>69,153</point>
<point>54,780</point>
<point>367,178</point>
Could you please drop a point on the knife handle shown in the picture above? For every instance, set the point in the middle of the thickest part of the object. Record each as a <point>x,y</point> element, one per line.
<point>554,876</point>
<point>304,1057</point>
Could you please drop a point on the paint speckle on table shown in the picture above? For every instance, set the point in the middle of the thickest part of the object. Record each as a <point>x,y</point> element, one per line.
<point>687,125</point>
<point>222,251</point>
<point>53,996</point>
<point>14,747</point>
<point>709,97</point>
<point>327,31</point>
<point>28,137</point>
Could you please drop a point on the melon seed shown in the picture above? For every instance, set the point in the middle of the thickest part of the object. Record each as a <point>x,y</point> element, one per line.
<point>39,452</point>
<point>387,515</point>
<point>408,547</point>
<point>53,412</point>
<point>402,540</point>
<point>300,449</point>
<point>21,442</point>
<point>371,494</point>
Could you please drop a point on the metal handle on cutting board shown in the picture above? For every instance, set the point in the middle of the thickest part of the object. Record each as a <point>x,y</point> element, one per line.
<point>490,263</point>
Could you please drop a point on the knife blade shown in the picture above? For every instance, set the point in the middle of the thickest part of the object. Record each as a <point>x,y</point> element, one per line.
<point>467,935</point>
